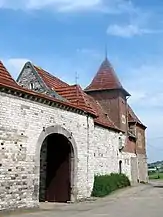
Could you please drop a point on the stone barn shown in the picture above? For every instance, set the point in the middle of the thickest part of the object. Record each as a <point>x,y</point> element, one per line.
<point>55,137</point>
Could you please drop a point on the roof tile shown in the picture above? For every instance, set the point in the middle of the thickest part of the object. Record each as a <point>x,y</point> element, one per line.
<point>51,81</point>
<point>105,79</point>
<point>76,96</point>
<point>7,81</point>
<point>5,77</point>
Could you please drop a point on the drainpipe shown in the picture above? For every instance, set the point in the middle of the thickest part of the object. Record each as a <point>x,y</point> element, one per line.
<point>136,153</point>
<point>127,118</point>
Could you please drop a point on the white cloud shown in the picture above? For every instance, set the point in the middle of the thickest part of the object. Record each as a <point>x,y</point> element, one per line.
<point>61,5</point>
<point>14,65</point>
<point>90,53</point>
<point>107,6</point>
<point>145,85</point>
<point>139,22</point>
<point>129,30</point>
<point>64,5</point>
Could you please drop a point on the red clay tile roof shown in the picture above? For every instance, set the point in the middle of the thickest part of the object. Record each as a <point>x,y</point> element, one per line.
<point>133,118</point>
<point>82,101</point>
<point>51,81</point>
<point>8,82</point>
<point>102,118</point>
<point>105,79</point>
<point>76,96</point>
<point>5,77</point>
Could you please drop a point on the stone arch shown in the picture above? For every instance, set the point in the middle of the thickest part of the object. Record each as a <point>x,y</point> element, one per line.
<point>57,129</point>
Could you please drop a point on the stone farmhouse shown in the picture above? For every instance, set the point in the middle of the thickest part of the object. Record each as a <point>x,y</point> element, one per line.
<point>55,137</point>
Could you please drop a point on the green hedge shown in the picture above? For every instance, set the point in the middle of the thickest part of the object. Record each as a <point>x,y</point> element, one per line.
<point>104,185</point>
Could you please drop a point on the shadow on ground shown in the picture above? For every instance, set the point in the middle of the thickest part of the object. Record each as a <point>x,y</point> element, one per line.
<point>158,186</point>
<point>157,183</point>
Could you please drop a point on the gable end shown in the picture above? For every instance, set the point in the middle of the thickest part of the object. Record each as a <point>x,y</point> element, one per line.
<point>30,79</point>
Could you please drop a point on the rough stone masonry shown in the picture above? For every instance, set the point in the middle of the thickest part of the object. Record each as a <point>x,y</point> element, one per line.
<point>27,120</point>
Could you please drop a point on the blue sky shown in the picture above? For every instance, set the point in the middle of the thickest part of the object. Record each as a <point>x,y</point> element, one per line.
<point>69,36</point>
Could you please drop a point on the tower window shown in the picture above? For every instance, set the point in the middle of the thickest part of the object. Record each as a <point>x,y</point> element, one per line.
<point>123,119</point>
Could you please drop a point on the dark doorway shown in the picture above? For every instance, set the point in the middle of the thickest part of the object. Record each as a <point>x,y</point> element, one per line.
<point>120,167</point>
<point>55,169</point>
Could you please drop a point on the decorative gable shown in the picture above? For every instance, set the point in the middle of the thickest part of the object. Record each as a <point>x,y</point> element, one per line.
<point>29,79</point>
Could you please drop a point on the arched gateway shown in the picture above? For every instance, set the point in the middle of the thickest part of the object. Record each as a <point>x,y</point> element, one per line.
<point>56,165</point>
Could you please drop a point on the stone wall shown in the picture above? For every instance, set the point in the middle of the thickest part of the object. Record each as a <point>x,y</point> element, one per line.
<point>21,123</point>
<point>127,165</point>
<point>142,168</point>
<point>107,154</point>
<point>24,125</point>
<point>141,143</point>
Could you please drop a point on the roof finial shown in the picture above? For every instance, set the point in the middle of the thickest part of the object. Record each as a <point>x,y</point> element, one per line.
<point>106,52</point>
<point>76,78</point>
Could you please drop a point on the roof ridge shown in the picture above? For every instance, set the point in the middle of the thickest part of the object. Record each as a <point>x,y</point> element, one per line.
<point>84,95</point>
<point>44,70</point>
<point>76,95</point>
<point>134,116</point>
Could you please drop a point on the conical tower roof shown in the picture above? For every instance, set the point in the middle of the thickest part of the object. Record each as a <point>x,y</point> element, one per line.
<point>105,79</point>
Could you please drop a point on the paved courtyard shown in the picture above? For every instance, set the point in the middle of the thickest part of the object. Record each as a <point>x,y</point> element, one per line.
<point>142,200</point>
